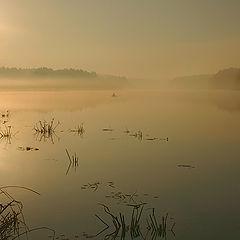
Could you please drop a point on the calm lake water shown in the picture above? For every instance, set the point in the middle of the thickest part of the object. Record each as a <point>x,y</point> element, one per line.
<point>185,164</point>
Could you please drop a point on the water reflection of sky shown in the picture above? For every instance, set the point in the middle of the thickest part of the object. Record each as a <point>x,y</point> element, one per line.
<point>201,200</point>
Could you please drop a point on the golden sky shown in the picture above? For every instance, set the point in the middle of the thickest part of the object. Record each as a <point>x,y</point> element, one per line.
<point>135,38</point>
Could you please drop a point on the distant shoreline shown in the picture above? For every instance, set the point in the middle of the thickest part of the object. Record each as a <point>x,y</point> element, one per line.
<point>224,79</point>
<point>47,78</point>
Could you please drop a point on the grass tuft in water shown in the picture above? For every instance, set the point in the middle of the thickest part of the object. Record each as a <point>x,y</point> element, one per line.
<point>73,161</point>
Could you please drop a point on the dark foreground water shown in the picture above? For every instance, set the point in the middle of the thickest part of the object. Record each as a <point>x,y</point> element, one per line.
<point>172,151</point>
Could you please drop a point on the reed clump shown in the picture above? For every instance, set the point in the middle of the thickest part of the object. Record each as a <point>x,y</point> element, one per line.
<point>11,219</point>
<point>12,223</point>
<point>137,226</point>
<point>80,130</point>
<point>45,127</point>
<point>6,134</point>
<point>138,135</point>
<point>46,130</point>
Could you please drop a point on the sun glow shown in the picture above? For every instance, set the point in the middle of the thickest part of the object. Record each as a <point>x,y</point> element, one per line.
<point>2,27</point>
<point>5,28</point>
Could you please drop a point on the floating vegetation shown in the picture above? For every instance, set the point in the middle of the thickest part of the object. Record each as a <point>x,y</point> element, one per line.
<point>126,131</point>
<point>137,225</point>
<point>73,161</point>
<point>156,138</point>
<point>185,166</point>
<point>111,184</point>
<point>152,139</point>
<point>117,196</point>
<point>80,130</point>
<point>4,117</point>
<point>138,135</point>
<point>27,149</point>
<point>113,138</point>
<point>46,130</point>
<point>130,198</point>
<point>92,186</point>
<point>5,114</point>
<point>107,129</point>
<point>123,197</point>
<point>164,139</point>
<point>133,135</point>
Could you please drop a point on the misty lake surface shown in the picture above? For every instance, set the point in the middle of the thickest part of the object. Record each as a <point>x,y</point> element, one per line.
<point>176,151</point>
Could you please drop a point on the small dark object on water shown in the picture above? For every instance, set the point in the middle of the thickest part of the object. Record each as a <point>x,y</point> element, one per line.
<point>185,166</point>
<point>126,131</point>
<point>27,149</point>
<point>164,139</point>
<point>107,129</point>
<point>151,139</point>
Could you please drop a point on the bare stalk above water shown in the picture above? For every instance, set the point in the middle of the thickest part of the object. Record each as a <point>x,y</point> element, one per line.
<point>80,130</point>
<point>73,161</point>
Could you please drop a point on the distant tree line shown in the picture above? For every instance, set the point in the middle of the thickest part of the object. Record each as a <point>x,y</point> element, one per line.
<point>46,72</point>
<point>224,79</point>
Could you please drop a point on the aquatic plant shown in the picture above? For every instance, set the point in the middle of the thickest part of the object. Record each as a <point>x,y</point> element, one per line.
<point>12,221</point>
<point>93,186</point>
<point>138,135</point>
<point>46,130</point>
<point>5,114</point>
<point>149,227</point>
<point>45,127</point>
<point>126,131</point>
<point>185,166</point>
<point>6,134</point>
<point>107,129</point>
<point>27,149</point>
<point>157,229</point>
<point>80,130</point>
<point>73,161</point>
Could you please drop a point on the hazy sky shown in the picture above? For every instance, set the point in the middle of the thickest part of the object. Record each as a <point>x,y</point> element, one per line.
<point>135,38</point>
